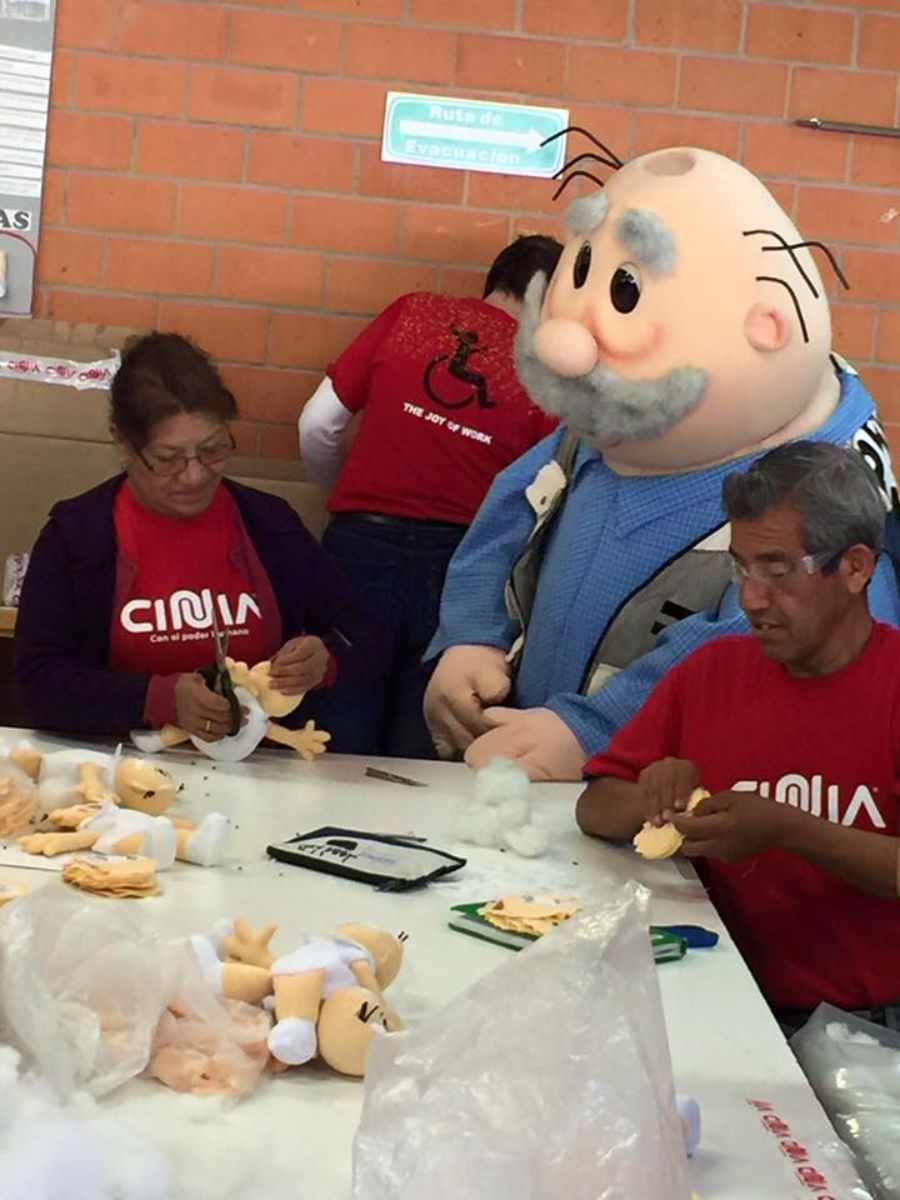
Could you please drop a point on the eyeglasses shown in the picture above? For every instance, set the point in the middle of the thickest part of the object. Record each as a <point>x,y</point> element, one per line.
<point>212,456</point>
<point>780,572</point>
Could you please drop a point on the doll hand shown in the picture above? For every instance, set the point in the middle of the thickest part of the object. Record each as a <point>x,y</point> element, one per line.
<point>535,738</point>
<point>300,665</point>
<point>201,712</point>
<point>308,741</point>
<point>466,679</point>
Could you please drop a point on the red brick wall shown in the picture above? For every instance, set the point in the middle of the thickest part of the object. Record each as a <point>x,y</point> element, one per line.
<point>214,167</point>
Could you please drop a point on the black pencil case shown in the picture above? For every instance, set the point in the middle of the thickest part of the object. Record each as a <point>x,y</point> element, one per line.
<point>390,863</point>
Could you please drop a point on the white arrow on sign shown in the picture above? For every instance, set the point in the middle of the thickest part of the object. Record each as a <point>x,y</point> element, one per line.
<point>530,140</point>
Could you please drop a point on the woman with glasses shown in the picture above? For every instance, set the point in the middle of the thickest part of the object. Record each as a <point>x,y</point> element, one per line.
<point>128,581</point>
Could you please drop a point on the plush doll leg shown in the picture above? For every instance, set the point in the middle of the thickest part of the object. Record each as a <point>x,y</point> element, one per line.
<point>204,845</point>
<point>297,998</point>
<point>50,844</point>
<point>234,981</point>
<point>237,942</point>
<point>307,742</point>
<point>157,841</point>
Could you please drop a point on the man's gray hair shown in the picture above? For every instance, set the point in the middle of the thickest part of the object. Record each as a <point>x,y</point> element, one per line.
<point>831,489</point>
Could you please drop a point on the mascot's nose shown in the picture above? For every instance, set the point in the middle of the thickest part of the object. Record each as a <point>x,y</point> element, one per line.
<point>565,346</point>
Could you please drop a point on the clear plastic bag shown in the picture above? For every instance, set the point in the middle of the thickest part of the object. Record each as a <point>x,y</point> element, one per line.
<point>549,1079</point>
<point>91,997</point>
<point>204,1044</point>
<point>854,1068</point>
<point>82,988</point>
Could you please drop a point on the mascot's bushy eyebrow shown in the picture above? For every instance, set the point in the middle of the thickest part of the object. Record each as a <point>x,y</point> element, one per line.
<point>648,239</point>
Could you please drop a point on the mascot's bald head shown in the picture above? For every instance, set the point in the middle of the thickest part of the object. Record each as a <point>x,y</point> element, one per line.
<point>686,322</point>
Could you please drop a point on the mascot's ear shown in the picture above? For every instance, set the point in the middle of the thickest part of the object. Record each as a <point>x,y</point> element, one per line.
<point>766,327</point>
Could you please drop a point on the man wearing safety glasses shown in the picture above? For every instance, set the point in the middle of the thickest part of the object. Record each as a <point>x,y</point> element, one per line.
<point>794,730</point>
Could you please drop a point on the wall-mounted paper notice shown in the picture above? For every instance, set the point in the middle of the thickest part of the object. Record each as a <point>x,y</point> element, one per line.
<point>26,49</point>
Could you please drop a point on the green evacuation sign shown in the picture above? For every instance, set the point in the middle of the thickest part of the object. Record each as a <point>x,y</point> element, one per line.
<point>472,135</point>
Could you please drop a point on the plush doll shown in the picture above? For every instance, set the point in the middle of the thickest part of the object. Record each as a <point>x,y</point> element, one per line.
<point>261,703</point>
<point>685,331</point>
<point>104,828</point>
<point>77,799</point>
<point>33,784</point>
<point>327,994</point>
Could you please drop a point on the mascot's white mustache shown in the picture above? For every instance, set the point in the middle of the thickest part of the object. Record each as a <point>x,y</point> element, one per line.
<point>603,406</point>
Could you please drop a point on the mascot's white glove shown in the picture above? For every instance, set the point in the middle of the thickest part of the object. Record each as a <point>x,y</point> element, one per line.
<point>535,738</point>
<point>466,680</point>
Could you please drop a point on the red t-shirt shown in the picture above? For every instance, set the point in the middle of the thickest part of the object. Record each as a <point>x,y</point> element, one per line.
<point>829,745</point>
<point>172,575</point>
<point>443,410</point>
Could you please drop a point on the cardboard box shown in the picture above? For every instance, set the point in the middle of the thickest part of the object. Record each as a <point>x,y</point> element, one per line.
<point>55,442</point>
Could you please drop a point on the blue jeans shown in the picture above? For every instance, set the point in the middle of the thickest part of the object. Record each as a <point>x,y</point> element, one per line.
<point>398,565</point>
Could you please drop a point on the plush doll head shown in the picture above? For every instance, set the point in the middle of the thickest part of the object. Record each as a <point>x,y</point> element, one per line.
<point>256,680</point>
<point>685,323</point>
<point>144,787</point>
<point>348,1021</point>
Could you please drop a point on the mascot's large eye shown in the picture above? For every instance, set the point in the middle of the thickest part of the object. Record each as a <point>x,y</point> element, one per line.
<point>625,288</point>
<point>582,265</point>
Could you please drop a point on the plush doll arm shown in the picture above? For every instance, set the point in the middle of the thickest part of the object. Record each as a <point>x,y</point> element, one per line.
<point>473,610</point>
<point>50,844</point>
<point>91,787</point>
<point>308,741</point>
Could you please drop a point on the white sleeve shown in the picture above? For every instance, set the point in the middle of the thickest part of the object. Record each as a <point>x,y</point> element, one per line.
<point>323,421</point>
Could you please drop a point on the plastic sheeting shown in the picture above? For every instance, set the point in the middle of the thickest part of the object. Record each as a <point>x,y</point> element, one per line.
<point>549,1078</point>
<point>854,1068</point>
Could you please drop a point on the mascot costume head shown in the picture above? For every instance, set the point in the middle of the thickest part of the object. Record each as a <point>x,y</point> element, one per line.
<point>686,327</point>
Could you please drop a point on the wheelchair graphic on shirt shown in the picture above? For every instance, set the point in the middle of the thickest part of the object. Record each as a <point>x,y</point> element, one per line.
<point>458,367</point>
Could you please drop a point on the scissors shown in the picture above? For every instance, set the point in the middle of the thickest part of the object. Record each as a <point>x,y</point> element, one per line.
<point>218,677</point>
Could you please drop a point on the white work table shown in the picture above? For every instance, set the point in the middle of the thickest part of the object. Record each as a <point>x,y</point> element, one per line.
<point>726,1048</point>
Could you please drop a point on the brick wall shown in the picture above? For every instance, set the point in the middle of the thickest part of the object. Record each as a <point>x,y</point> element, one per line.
<point>214,167</point>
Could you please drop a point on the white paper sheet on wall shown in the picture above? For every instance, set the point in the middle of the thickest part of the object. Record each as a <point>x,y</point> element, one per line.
<point>26,49</point>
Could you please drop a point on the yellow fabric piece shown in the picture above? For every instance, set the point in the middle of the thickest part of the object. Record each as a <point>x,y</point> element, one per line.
<point>18,806</point>
<point>119,877</point>
<point>662,841</point>
<point>536,915</point>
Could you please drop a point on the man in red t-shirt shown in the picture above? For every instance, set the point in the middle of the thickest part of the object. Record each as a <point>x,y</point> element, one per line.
<point>795,732</point>
<point>442,411</point>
